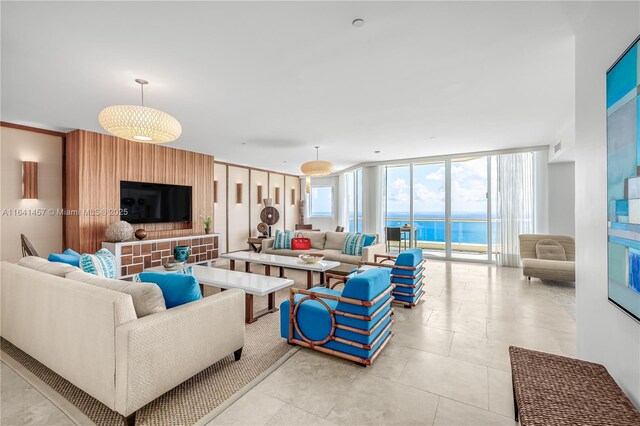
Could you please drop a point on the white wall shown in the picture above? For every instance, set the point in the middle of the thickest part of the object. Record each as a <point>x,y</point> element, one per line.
<point>44,232</point>
<point>562,194</point>
<point>605,334</point>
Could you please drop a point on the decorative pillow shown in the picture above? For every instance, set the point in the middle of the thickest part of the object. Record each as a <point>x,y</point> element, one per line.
<point>369,240</point>
<point>550,250</point>
<point>283,240</point>
<point>102,264</point>
<point>177,289</point>
<point>353,244</point>
<point>187,270</point>
<point>147,299</point>
<point>68,256</point>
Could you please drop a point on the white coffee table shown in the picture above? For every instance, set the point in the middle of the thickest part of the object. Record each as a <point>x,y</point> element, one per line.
<point>252,284</point>
<point>269,260</point>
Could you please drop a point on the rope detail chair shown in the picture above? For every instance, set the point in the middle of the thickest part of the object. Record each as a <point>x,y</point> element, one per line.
<point>354,324</point>
<point>406,274</point>
<point>27,247</point>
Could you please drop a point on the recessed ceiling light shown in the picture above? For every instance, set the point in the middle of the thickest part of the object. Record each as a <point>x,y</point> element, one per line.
<point>376,152</point>
<point>284,161</point>
<point>358,23</point>
<point>432,137</point>
<point>243,143</point>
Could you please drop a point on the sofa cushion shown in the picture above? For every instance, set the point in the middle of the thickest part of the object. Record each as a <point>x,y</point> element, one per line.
<point>550,250</point>
<point>102,264</point>
<point>335,240</point>
<point>147,299</point>
<point>43,265</point>
<point>368,285</point>
<point>338,256</point>
<point>554,270</point>
<point>69,256</point>
<point>177,289</point>
<point>317,238</point>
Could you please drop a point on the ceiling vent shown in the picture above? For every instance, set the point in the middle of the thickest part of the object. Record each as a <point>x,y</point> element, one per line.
<point>557,147</point>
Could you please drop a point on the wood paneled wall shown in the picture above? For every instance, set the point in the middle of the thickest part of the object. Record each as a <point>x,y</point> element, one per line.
<point>240,220</point>
<point>96,163</point>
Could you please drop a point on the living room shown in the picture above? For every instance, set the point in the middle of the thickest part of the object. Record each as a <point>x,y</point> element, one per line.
<point>320,213</point>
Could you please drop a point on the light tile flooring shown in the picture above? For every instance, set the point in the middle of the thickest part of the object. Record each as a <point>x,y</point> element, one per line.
<point>448,363</point>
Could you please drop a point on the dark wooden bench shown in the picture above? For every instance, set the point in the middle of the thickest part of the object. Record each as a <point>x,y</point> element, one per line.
<point>556,390</point>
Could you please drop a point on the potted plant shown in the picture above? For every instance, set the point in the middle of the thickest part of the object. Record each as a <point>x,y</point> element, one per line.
<point>207,224</point>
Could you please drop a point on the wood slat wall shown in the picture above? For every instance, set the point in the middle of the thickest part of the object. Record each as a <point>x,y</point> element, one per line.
<point>95,165</point>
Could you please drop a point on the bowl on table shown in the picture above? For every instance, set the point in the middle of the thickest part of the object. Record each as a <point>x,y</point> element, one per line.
<point>311,257</point>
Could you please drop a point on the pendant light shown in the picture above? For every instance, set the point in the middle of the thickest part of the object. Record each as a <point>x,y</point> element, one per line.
<point>139,123</point>
<point>316,167</point>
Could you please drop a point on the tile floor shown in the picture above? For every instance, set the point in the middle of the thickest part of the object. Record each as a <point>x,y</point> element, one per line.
<point>448,363</point>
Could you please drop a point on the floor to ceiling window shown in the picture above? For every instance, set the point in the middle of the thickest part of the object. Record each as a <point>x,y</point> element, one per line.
<point>353,198</point>
<point>443,207</point>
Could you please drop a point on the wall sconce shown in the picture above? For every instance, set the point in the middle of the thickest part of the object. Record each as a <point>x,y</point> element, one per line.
<point>238,193</point>
<point>293,196</point>
<point>259,194</point>
<point>277,197</point>
<point>215,191</point>
<point>307,184</point>
<point>29,179</point>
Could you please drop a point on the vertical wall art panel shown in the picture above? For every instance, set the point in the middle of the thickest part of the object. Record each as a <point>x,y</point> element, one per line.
<point>220,205</point>
<point>276,180</point>
<point>259,180</point>
<point>623,180</point>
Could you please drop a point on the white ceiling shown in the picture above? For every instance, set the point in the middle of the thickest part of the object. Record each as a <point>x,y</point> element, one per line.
<point>262,83</point>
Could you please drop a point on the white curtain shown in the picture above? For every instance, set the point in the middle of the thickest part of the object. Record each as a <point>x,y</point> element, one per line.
<point>516,192</point>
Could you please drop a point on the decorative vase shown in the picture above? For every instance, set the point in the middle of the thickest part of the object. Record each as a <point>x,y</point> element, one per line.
<point>181,253</point>
<point>207,230</point>
<point>141,234</point>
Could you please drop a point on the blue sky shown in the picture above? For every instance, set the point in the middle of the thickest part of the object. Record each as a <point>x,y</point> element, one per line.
<point>468,187</point>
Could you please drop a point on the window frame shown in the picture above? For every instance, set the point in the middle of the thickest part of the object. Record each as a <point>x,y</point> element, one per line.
<point>331,199</point>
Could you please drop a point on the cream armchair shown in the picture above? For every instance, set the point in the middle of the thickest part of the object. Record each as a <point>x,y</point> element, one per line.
<point>548,257</point>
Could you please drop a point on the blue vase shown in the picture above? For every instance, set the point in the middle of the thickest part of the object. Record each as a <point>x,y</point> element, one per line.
<point>181,253</point>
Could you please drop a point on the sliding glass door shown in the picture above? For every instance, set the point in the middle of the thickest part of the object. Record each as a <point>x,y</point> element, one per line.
<point>443,207</point>
<point>429,209</point>
<point>469,208</point>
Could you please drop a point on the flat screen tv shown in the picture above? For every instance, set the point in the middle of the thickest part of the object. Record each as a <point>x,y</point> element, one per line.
<point>142,202</point>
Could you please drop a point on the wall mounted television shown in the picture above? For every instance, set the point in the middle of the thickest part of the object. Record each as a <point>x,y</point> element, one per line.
<point>143,202</point>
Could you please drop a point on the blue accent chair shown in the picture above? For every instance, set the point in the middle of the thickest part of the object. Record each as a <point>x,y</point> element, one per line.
<point>354,324</point>
<point>407,274</point>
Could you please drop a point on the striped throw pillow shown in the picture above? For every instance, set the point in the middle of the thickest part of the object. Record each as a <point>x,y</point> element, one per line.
<point>353,244</point>
<point>102,264</point>
<point>282,240</point>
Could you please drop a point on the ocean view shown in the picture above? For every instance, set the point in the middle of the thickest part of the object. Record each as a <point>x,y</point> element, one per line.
<point>466,228</point>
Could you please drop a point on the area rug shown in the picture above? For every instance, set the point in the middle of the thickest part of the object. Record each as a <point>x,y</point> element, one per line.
<point>193,399</point>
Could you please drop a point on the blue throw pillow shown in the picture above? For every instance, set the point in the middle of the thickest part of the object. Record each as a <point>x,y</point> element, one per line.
<point>282,240</point>
<point>177,289</point>
<point>102,264</point>
<point>369,240</point>
<point>68,256</point>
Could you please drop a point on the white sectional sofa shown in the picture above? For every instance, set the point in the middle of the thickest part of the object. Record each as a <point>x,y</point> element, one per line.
<point>92,337</point>
<point>330,244</point>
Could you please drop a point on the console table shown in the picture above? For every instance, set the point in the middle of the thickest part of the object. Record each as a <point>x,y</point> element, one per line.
<point>134,256</point>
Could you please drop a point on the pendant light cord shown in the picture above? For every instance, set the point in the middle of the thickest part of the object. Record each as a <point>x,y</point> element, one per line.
<point>142,92</point>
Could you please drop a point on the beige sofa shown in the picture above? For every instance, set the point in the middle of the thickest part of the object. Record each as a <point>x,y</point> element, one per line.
<point>534,263</point>
<point>330,244</point>
<point>92,336</point>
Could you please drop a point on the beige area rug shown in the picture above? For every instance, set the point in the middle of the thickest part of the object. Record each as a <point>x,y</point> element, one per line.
<point>193,399</point>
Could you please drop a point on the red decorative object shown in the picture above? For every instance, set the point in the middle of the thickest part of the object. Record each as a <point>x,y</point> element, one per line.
<point>300,243</point>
